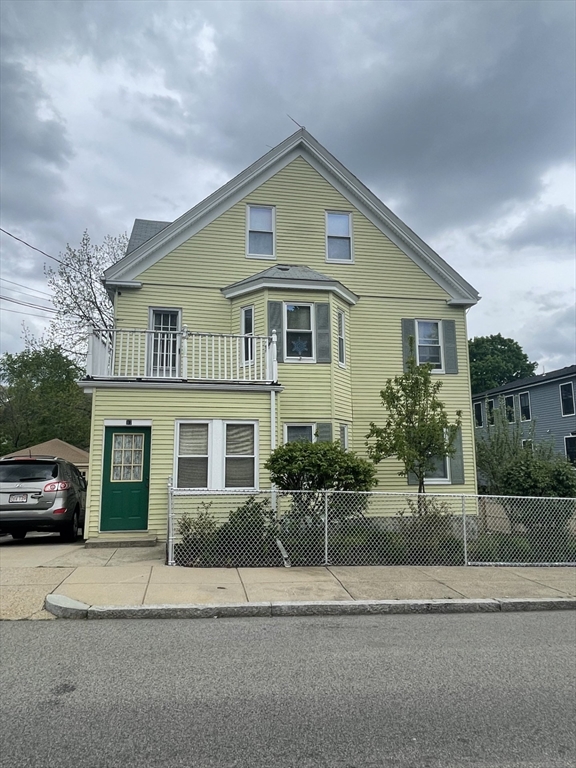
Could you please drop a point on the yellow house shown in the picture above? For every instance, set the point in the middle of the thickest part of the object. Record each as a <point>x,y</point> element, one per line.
<point>274,310</point>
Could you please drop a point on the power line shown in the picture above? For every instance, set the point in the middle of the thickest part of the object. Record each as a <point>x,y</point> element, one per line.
<point>35,290</point>
<point>18,312</point>
<point>27,304</point>
<point>31,246</point>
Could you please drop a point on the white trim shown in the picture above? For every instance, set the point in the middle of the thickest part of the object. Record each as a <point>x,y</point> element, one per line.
<point>300,144</point>
<point>571,385</point>
<point>291,359</point>
<point>343,443</point>
<point>266,256</point>
<point>122,422</point>
<point>216,475</point>
<point>340,314</point>
<point>441,480</point>
<point>247,360</point>
<point>481,425</point>
<point>568,437</point>
<point>312,424</point>
<point>300,285</point>
<point>520,406</point>
<point>350,237</point>
<point>440,343</point>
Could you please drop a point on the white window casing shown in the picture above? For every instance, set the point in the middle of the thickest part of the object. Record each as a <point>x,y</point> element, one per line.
<point>339,244</point>
<point>299,332</point>
<point>341,338</point>
<point>216,454</point>
<point>567,405</point>
<point>525,411</point>
<point>300,431</point>
<point>429,344</point>
<point>261,231</point>
<point>247,330</point>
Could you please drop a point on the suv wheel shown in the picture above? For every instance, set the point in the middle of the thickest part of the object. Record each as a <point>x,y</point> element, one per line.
<point>70,532</point>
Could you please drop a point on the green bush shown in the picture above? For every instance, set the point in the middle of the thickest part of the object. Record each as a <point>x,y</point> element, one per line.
<point>248,538</point>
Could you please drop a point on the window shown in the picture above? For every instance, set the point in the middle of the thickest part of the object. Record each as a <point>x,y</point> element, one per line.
<point>478,420</point>
<point>567,399</point>
<point>239,459</point>
<point>299,336</point>
<point>216,454</point>
<point>341,339</point>
<point>344,436</point>
<point>164,350</point>
<point>247,331</point>
<point>570,448</point>
<point>338,237</point>
<point>193,456</point>
<point>440,473</point>
<point>296,432</point>
<point>527,445</point>
<point>429,347</point>
<point>260,231</point>
<point>490,412</point>
<point>509,408</point>
<point>525,406</point>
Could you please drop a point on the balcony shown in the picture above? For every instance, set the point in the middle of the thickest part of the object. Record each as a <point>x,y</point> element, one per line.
<point>181,356</point>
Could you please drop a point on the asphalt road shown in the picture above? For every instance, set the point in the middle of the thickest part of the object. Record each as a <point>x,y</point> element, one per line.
<point>350,692</point>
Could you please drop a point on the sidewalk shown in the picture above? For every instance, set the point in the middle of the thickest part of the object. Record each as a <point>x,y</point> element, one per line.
<point>37,567</point>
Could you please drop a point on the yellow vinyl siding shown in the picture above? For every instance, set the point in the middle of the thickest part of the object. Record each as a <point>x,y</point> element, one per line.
<point>164,408</point>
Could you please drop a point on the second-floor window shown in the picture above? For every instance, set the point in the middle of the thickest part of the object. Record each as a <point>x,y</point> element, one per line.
<point>341,339</point>
<point>509,407</point>
<point>525,406</point>
<point>299,335</point>
<point>260,239</point>
<point>567,399</point>
<point>429,347</point>
<point>248,332</point>
<point>338,236</point>
<point>478,420</point>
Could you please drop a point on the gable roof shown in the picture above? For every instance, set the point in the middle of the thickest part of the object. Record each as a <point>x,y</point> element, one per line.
<point>55,447</point>
<point>289,276</point>
<point>142,231</point>
<point>300,144</point>
<point>529,381</point>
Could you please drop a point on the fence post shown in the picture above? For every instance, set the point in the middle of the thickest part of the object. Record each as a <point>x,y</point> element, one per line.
<point>170,537</point>
<point>326,562</point>
<point>464,530</point>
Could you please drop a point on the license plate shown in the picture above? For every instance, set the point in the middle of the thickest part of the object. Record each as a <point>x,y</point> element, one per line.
<point>18,498</point>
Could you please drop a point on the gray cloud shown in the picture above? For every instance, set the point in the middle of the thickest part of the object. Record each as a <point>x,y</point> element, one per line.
<point>553,228</point>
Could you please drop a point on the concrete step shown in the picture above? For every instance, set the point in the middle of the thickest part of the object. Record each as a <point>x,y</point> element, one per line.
<point>122,540</point>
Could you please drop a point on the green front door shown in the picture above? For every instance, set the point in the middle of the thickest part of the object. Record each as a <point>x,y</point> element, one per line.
<point>126,479</point>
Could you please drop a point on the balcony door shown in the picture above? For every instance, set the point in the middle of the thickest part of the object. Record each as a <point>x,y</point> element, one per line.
<point>164,355</point>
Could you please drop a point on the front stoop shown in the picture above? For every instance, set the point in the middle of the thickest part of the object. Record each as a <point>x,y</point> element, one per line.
<point>122,540</point>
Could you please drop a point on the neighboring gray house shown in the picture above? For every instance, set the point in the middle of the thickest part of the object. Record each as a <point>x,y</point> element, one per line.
<point>545,405</point>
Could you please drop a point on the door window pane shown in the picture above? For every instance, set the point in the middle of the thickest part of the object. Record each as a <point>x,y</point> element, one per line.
<point>127,464</point>
<point>164,344</point>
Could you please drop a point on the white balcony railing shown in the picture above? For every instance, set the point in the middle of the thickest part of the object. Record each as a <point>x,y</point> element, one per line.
<point>182,355</point>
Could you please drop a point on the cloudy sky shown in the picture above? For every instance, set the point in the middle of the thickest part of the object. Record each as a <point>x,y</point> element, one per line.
<point>459,115</point>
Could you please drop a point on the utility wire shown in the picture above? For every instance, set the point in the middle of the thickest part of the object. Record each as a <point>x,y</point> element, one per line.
<point>31,246</point>
<point>35,290</point>
<point>18,312</point>
<point>27,304</point>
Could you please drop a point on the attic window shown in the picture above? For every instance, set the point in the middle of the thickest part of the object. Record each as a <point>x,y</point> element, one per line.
<point>338,236</point>
<point>260,234</point>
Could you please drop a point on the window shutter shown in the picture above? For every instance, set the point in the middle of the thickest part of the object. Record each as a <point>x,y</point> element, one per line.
<point>457,461</point>
<point>324,432</point>
<point>323,351</point>
<point>450,355</point>
<point>275,324</point>
<point>408,329</point>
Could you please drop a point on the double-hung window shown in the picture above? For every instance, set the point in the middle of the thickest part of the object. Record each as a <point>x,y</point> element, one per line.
<point>300,432</point>
<point>248,332</point>
<point>341,339</point>
<point>441,472</point>
<point>216,454</point>
<point>478,420</point>
<point>338,236</point>
<point>429,346</point>
<point>490,412</point>
<point>567,398</point>
<point>525,414</point>
<point>260,235</point>
<point>299,335</point>
<point>509,408</point>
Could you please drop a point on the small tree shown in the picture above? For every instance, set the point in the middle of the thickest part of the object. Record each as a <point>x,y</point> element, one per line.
<point>317,467</point>
<point>495,361</point>
<point>417,429</point>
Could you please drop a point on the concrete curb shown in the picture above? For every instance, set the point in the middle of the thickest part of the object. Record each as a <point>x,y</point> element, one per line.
<point>67,608</point>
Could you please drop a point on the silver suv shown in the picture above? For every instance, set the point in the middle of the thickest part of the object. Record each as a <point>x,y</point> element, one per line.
<point>41,493</point>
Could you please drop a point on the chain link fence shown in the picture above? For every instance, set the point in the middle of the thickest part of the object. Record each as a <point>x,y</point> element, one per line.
<point>266,528</point>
